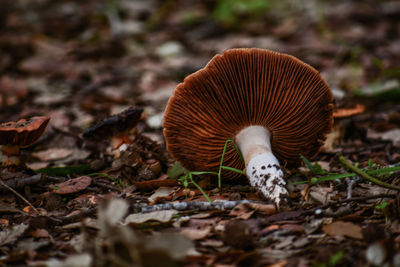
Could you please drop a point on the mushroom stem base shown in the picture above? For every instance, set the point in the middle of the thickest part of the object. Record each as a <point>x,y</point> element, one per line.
<point>262,167</point>
<point>265,174</point>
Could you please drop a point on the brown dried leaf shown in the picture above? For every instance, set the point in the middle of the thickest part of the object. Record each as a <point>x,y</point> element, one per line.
<point>266,209</point>
<point>340,228</point>
<point>52,154</point>
<point>242,211</point>
<point>196,234</point>
<point>73,185</point>
<point>161,192</point>
<point>175,245</point>
<point>38,233</point>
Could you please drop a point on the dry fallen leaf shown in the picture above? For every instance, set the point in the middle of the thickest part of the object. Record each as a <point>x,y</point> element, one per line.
<point>38,233</point>
<point>340,228</point>
<point>161,216</point>
<point>72,186</point>
<point>175,245</point>
<point>242,211</point>
<point>161,192</point>
<point>390,135</point>
<point>75,260</point>
<point>266,209</point>
<point>9,235</point>
<point>52,154</point>
<point>196,234</point>
<point>246,210</point>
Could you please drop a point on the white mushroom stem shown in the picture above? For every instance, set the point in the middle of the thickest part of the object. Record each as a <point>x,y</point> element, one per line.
<point>262,167</point>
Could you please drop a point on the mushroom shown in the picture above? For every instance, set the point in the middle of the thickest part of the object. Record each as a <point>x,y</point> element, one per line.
<point>23,133</point>
<point>274,106</point>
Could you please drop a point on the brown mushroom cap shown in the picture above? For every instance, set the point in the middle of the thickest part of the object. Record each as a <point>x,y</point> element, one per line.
<point>244,87</point>
<point>24,132</point>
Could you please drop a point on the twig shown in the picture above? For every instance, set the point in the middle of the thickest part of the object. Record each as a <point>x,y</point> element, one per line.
<point>34,179</point>
<point>350,184</point>
<point>191,205</point>
<point>366,176</point>
<point>75,217</point>
<point>19,195</point>
<point>13,210</point>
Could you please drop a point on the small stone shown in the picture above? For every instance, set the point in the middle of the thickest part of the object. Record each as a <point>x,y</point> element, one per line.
<point>376,254</point>
<point>169,49</point>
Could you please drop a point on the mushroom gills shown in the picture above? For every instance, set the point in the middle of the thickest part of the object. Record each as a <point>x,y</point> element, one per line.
<point>262,167</point>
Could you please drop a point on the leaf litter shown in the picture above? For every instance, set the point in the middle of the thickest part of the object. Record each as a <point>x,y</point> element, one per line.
<point>98,204</point>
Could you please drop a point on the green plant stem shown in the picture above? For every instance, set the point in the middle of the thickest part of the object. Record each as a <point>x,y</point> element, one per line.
<point>112,178</point>
<point>222,161</point>
<point>366,176</point>
<point>189,175</point>
<point>199,187</point>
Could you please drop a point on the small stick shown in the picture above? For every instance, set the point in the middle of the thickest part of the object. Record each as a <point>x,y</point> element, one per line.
<point>75,217</point>
<point>366,176</point>
<point>190,205</point>
<point>19,195</point>
<point>350,184</point>
<point>34,179</point>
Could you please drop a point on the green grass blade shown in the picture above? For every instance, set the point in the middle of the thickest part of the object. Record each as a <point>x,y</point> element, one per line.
<point>383,170</point>
<point>238,151</point>
<point>199,187</point>
<point>232,169</point>
<point>67,170</point>
<point>222,161</point>
<point>307,162</point>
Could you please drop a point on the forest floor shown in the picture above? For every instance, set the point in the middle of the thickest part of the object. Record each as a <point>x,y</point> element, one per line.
<point>79,202</point>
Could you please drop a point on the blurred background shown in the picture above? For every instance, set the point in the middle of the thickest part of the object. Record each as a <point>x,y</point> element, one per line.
<point>79,61</point>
